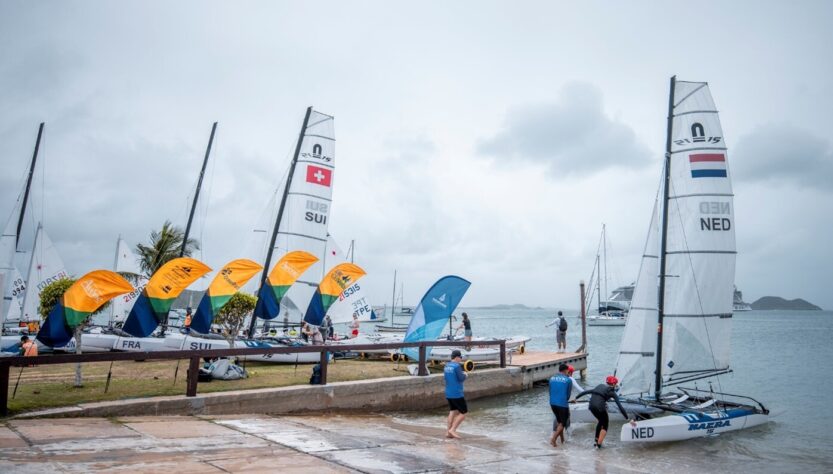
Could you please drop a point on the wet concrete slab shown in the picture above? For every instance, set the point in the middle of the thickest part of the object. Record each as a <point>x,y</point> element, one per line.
<point>262,443</point>
<point>10,439</point>
<point>286,463</point>
<point>42,431</point>
<point>187,428</point>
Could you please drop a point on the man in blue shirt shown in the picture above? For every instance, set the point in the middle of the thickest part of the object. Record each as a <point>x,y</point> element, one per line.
<point>454,378</point>
<point>561,385</point>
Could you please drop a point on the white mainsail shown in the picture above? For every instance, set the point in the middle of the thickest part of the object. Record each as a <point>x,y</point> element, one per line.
<point>352,300</point>
<point>16,288</point>
<point>700,257</point>
<point>700,254</point>
<point>126,262</point>
<point>45,267</point>
<point>306,216</point>
<point>637,351</point>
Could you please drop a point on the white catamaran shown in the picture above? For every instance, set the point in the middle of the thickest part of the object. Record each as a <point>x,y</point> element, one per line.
<point>679,324</point>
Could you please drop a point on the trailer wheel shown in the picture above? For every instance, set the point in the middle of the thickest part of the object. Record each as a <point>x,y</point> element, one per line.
<point>468,365</point>
<point>394,357</point>
<point>522,349</point>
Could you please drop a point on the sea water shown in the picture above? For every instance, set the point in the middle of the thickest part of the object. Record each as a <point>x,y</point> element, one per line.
<point>781,358</point>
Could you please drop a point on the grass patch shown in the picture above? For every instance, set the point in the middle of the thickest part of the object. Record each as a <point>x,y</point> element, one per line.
<point>51,386</point>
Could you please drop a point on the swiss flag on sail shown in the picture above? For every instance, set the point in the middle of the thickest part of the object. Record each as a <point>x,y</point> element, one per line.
<point>318,175</point>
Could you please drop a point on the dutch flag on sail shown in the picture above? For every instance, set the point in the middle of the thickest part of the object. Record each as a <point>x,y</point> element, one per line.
<point>708,165</point>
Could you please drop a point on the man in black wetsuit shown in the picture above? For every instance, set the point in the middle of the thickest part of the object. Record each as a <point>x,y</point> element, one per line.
<point>598,406</point>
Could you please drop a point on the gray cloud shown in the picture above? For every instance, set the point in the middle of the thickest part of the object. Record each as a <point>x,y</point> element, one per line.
<point>782,153</point>
<point>570,136</point>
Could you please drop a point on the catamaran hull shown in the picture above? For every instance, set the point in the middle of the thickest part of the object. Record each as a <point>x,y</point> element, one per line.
<point>580,412</point>
<point>476,354</point>
<point>606,321</point>
<point>140,344</point>
<point>679,427</point>
<point>193,343</point>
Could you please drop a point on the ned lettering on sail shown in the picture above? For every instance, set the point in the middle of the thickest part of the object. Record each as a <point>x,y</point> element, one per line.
<point>715,223</point>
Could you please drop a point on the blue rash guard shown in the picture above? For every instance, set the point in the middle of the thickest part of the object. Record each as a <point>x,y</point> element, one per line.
<point>560,388</point>
<point>454,378</point>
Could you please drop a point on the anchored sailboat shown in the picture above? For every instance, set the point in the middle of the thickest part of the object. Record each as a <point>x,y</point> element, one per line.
<point>681,333</point>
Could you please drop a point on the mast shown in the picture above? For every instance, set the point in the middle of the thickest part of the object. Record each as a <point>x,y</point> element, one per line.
<point>598,282</point>
<point>393,302</point>
<point>115,269</point>
<point>666,180</point>
<point>197,194</point>
<point>604,252</point>
<point>265,272</point>
<point>28,185</point>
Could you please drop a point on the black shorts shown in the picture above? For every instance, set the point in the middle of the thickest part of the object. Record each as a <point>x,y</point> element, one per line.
<point>562,416</point>
<point>601,415</point>
<point>458,404</point>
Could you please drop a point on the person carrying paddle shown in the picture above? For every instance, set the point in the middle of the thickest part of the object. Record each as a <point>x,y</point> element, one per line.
<point>598,406</point>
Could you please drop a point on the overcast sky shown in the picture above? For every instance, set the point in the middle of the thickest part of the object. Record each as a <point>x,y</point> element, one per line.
<point>485,139</point>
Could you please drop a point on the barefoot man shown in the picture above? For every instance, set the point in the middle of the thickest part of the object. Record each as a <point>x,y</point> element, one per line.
<point>561,385</point>
<point>454,378</point>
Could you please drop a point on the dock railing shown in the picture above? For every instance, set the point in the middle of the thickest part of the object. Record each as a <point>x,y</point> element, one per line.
<point>196,355</point>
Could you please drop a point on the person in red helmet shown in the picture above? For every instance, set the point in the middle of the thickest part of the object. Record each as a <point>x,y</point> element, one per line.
<point>598,406</point>
<point>577,388</point>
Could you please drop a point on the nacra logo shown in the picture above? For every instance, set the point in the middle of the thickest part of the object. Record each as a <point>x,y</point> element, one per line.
<point>708,426</point>
<point>317,153</point>
<point>698,135</point>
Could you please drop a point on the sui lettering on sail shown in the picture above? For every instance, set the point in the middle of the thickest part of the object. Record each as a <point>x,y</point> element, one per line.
<point>316,212</point>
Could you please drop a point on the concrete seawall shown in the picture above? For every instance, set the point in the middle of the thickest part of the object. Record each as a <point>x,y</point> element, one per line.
<point>389,394</point>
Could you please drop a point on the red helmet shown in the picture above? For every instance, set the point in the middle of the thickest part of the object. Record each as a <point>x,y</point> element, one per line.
<point>570,369</point>
<point>612,380</point>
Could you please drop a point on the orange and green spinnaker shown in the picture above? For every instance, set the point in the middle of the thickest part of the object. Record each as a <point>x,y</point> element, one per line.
<point>82,299</point>
<point>228,282</point>
<point>282,277</point>
<point>152,306</point>
<point>339,278</point>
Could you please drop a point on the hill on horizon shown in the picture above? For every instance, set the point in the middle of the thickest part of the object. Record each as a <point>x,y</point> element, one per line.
<point>778,303</point>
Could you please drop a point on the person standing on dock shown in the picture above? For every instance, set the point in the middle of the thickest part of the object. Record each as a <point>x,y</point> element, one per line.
<point>454,378</point>
<point>561,333</point>
<point>466,326</point>
<point>561,385</point>
<point>598,406</point>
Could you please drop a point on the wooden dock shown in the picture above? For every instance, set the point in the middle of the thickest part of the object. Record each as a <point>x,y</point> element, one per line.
<point>541,365</point>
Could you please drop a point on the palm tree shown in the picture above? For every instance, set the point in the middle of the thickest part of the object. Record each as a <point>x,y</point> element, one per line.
<point>164,246</point>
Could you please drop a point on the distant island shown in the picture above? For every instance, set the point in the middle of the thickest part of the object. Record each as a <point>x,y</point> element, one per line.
<point>776,302</point>
<point>507,306</point>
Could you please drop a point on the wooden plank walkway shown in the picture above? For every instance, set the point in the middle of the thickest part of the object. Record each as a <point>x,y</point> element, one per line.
<point>541,365</point>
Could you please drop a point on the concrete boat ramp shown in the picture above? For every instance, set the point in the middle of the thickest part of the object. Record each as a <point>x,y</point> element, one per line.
<point>216,432</point>
<point>262,443</point>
